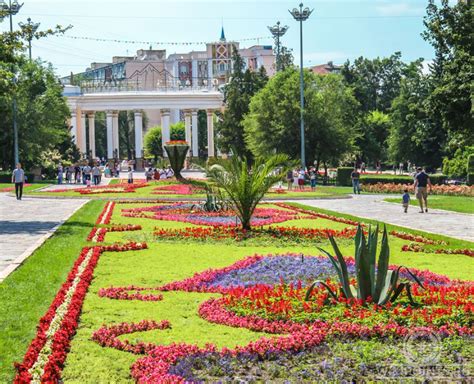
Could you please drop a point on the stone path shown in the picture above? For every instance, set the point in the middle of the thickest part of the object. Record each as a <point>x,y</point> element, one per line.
<point>26,224</point>
<point>453,224</point>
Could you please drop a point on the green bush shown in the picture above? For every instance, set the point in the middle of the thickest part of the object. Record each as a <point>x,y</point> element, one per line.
<point>6,177</point>
<point>386,179</point>
<point>470,178</point>
<point>344,176</point>
<point>458,165</point>
<point>374,179</point>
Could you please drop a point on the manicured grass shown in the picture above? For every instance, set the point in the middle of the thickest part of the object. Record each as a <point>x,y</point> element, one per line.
<point>462,204</point>
<point>29,188</point>
<point>26,294</point>
<point>162,262</point>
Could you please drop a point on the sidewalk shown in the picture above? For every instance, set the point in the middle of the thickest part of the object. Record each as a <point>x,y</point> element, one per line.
<point>26,224</point>
<point>453,224</point>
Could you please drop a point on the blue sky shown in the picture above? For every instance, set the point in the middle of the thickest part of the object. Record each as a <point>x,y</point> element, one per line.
<point>337,30</point>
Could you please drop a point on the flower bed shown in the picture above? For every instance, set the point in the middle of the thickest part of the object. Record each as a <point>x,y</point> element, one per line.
<point>11,189</point>
<point>319,214</point>
<point>97,235</point>
<point>123,293</point>
<point>106,214</point>
<point>451,190</point>
<point>182,212</point>
<point>418,248</point>
<point>287,234</point>
<point>99,189</point>
<point>416,238</point>
<point>44,359</point>
<point>177,189</point>
<point>271,270</point>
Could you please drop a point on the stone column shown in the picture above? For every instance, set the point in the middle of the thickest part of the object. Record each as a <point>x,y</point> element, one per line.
<point>110,131</point>
<point>187,128</point>
<point>82,135</point>
<point>195,142</point>
<point>91,116</point>
<point>210,133</point>
<point>138,141</point>
<point>74,127</point>
<point>115,133</point>
<point>165,128</point>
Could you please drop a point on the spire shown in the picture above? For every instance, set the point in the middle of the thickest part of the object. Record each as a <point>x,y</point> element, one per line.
<point>222,34</point>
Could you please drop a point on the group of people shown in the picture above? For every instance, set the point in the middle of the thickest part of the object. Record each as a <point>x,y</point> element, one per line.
<point>420,185</point>
<point>157,173</point>
<point>77,174</point>
<point>296,178</point>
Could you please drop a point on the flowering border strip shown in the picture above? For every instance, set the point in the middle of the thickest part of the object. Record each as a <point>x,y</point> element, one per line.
<point>104,217</point>
<point>47,352</point>
<point>412,247</point>
<point>416,238</point>
<point>227,232</point>
<point>11,189</point>
<point>99,189</point>
<point>97,235</point>
<point>122,293</point>
<point>451,190</point>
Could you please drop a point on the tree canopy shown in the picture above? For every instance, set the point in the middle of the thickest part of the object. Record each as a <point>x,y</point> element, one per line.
<point>273,123</point>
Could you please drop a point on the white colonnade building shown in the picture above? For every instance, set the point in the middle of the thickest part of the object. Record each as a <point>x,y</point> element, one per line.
<point>167,104</point>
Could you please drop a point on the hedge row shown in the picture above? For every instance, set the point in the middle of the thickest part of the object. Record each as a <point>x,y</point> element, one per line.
<point>6,177</point>
<point>344,178</point>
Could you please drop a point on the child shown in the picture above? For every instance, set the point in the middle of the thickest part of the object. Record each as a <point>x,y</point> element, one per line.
<point>130,175</point>
<point>406,200</point>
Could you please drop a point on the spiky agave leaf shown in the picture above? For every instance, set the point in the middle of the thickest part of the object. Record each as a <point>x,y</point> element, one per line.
<point>344,274</point>
<point>372,239</point>
<point>363,269</point>
<point>311,288</point>
<point>382,266</point>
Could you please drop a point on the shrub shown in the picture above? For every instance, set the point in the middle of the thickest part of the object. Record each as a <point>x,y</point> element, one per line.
<point>438,179</point>
<point>344,176</point>
<point>470,169</point>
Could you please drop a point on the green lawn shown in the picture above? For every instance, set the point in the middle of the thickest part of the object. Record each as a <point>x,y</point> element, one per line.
<point>26,294</point>
<point>27,189</point>
<point>463,204</point>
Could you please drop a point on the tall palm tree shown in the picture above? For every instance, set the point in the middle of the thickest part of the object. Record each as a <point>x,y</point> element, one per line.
<point>245,186</point>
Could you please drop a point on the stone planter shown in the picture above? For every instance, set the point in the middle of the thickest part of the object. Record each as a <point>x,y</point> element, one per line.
<point>177,151</point>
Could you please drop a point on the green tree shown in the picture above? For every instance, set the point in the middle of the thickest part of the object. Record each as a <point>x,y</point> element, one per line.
<point>153,144</point>
<point>237,93</point>
<point>273,123</point>
<point>374,129</point>
<point>415,134</point>
<point>450,29</point>
<point>178,131</point>
<point>245,186</point>
<point>458,164</point>
<point>42,114</point>
<point>376,82</point>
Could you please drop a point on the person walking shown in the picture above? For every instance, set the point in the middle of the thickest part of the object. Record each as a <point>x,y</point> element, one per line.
<point>289,179</point>
<point>301,177</point>
<point>87,173</point>
<point>405,200</point>
<point>355,176</point>
<point>312,179</point>
<point>18,177</point>
<point>422,181</point>
<point>130,175</point>
<point>60,174</point>
<point>77,174</point>
<point>96,174</point>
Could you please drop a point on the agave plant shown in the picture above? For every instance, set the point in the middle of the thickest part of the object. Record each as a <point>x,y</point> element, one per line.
<point>214,202</point>
<point>374,278</point>
<point>245,186</point>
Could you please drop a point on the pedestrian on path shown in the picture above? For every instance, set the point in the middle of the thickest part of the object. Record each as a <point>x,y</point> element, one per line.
<point>60,174</point>
<point>355,176</point>
<point>96,174</point>
<point>405,200</point>
<point>130,175</point>
<point>289,179</point>
<point>18,177</point>
<point>422,181</point>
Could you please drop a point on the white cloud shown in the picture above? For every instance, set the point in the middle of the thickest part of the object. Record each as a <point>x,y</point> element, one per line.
<point>398,9</point>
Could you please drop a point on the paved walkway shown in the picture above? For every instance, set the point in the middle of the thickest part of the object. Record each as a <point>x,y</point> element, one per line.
<point>453,224</point>
<point>26,224</point>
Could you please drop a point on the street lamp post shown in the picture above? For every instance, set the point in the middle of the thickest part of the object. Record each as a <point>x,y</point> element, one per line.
<point>30,29</point>
<point>278,32</point>
<point>301,15</point>
<point>11,9</point>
